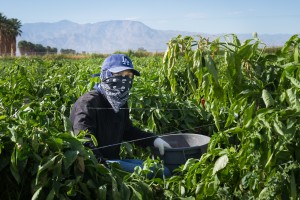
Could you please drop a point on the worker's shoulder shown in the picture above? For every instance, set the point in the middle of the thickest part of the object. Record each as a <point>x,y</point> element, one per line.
<point>90,96</point>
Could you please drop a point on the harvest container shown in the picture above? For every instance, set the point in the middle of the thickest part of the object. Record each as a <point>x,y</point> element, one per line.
<point>184,146</point>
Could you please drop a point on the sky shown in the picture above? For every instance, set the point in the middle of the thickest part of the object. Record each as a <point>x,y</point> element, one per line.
<point>201,16</point>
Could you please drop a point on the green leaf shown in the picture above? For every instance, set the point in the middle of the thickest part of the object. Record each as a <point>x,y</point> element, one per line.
<point>15,172</point>
<point>292,99</point>
<point>35,143</point>
<point>182,190</point>
<point>211,67</point>
<point>102,190</point>
<point>69,158</point>
<point>294,81</point>
<point>72,188</point>
<point>115,192</point>
<point>234,130</point>
<point>151,122</point>
<point>14,165</point>
<point>94,139</point>
<point>269,160</point>
<point>210,190</point>
<point>67,124</point>
<point>103,170</point>
<point>126,193</point>
<point>51,194</point>
<point>14,134</point>
<point>57,170</point>
<point>220,163</point>
<point>199,188</point>
<point>245,52</point>
<point>37,193</point>
<point>264,193</point>
<point>191,81</point>
<point>135,193</point>
<point>85,191</point>
<point>47,165</point>
<point>268,99</point>
<point>278,128</point>
<point>248,115</point>
<point>296,54</point>
<point>293,186</point>
<point>189,163</point>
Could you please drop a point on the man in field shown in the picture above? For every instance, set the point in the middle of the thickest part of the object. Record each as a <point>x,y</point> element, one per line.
<point>104,113</point>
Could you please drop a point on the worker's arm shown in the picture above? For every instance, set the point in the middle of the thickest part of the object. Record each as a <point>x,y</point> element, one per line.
<point>83,119</point>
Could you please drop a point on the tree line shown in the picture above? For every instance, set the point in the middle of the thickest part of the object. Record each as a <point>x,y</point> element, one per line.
<point>10,28</point>
<point>29,48</point>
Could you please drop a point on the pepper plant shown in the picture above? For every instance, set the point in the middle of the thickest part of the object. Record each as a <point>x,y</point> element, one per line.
<point>254,154</point>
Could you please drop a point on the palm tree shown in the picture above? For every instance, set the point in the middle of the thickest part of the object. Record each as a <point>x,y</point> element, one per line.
<point>9,30</point>
<point>3,22</point>
<point>14,30</point>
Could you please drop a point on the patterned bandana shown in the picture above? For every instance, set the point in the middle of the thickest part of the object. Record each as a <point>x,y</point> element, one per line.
<point>116,90</point>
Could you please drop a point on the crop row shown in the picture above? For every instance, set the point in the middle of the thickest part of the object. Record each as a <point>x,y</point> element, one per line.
<point>244,98</point>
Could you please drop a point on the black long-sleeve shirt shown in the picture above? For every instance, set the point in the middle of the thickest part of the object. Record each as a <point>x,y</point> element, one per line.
<point>93,112</point>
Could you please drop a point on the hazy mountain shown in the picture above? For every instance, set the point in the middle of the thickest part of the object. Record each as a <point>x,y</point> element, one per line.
<point>110,36</point>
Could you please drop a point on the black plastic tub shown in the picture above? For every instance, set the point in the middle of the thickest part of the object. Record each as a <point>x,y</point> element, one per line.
<point>184,146</point>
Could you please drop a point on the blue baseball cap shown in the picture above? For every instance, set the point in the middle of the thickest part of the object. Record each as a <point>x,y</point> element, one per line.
<point>118,62</point>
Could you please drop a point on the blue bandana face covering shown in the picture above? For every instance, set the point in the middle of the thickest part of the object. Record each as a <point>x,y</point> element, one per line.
<point>116,90</point>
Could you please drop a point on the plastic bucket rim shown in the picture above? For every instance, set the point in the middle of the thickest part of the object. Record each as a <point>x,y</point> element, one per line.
<point>181,148</point>
<point>174,149</point>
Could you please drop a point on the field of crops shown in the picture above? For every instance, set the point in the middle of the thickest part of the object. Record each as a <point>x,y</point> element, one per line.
<point>246,99</point>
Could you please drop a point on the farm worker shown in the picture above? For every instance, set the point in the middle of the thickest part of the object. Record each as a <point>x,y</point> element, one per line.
<point>104,113</point>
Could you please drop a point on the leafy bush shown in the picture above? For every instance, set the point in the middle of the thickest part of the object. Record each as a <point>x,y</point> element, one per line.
<point>245,98</point>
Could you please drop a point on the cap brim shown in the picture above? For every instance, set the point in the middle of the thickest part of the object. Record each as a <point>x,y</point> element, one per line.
<point>120,69</point>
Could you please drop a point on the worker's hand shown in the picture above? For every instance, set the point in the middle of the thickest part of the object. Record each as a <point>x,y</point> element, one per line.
<point>161,145</point>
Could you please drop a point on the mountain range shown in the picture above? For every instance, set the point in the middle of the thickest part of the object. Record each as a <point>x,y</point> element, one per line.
<point>116,35</point>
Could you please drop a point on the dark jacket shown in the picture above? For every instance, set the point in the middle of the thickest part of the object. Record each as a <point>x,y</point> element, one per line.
<point>93,112</point>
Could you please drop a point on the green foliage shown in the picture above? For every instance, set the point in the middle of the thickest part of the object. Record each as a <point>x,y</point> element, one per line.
<point>41,158</point>
<point>67,51</point>
<point>255,154</point>
<point>245,98</point>
<point>28,48</point>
